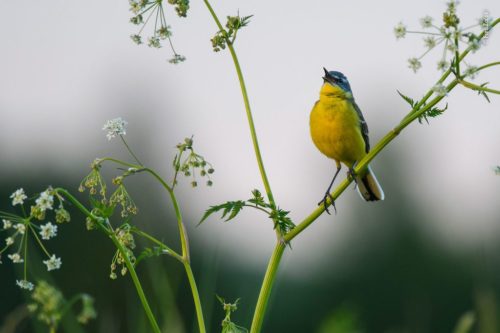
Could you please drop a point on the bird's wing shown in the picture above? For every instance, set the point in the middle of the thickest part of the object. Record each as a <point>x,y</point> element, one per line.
<point>364,126</point>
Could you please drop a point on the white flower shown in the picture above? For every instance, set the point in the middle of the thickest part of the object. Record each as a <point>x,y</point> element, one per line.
<point>136,39</point>
<point>430,42</point>
<point>9,241</point>
<point>154,42</point>
<point>45,200</point>
<point>6,224</point>
<point>414,64</point>
<point>21,228</point>
<point>426,22</point>
<point>53,263</point>
<point>115,127</point>
<point>16,258</point>
<point>485,21</point>
<point>440,90</point>
<point>400,30</point>
<point>18,197</point>
<point>48,231</point>
<point>25,284</point>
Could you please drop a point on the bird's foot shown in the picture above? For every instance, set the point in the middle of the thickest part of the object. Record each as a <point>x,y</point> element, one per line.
<point>351,173</point>
<point>324,201</point>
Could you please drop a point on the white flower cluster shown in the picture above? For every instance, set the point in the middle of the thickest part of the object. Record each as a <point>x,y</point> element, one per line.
<point>115,127</point>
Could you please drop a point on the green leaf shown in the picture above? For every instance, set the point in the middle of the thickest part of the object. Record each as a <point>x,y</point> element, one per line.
<point>483,93</point>
<point>231,207</point>
<point>258,199</point>
<point>432,113</point>
<point>282,221</point>
<point>148,253</point>
<point>407,99</point>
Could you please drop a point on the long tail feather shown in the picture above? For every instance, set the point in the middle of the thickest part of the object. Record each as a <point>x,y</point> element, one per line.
<point>368,187</point>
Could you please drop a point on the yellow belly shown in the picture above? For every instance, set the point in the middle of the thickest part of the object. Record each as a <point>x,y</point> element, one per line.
<point>336,132</point>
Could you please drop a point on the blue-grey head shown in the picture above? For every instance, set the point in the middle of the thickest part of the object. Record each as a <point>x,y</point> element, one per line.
<point>337,79</point>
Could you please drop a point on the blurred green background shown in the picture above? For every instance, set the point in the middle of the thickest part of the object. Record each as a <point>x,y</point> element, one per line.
<point>414,263</point>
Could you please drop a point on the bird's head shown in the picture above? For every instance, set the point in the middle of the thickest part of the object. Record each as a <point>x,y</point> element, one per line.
<point>336,80</point>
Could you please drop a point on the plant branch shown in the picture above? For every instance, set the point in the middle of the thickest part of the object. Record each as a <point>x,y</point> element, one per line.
<point>119,246</point>
<point>267,284</point>
<point>196,297</point>
<point>246,101</point>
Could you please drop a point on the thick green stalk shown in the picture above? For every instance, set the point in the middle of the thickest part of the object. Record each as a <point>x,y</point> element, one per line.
<point>119,246</point>
<point>196,296</point>
<point>265,290</point>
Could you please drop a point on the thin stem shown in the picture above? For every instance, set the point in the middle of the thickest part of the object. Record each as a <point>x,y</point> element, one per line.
<point>130,150</point>
<point>130,165</point>
<point>476,87</point>
<point>246,101</point>
<point>267,284</point>
<point>196,297</point>
<point>164,247</point>
<point>119,246</point>
<point>496,63</point>
<point>38,240</point>
<point>182,229</point>
<point>137,283</point>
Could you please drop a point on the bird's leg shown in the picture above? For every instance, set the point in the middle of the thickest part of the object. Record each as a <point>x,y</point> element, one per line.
<point>328,195</point>
<point>351,173</point>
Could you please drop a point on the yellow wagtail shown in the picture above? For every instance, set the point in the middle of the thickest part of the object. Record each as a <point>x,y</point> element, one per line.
<point>339,131</point>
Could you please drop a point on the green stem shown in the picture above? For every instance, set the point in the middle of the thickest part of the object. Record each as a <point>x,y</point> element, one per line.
<point>130,150</point>
<point>246,101</point>
<point>476,87</point>
<point>196,297</point>
<point>182,229</point>
<point>185,258</point>
<point>164,247</point>
<point>185,251</point>
<point>491,64</point>
<point>120,248</point>
<point>137,283</point>
<point>267,284</point>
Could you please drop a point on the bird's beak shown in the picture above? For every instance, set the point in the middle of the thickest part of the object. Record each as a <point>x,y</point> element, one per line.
<point>328,78</point>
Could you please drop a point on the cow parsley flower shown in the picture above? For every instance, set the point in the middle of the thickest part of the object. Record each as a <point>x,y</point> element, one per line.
<point>115,127</point>
<point>45,200</point>
<point>25,284</point>
<point>48,231</point>
<point>53,263</point>
<point>16,258</point>
<point>18,197</point>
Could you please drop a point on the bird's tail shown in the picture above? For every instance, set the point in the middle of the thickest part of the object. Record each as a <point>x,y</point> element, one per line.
<point>368,186</point>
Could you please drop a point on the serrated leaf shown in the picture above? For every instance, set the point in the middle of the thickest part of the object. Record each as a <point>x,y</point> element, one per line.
<point>231,207</point>
<point>434,112</point>
<point>258,199</point>
<point>282,221</point>
<point>407,99</point>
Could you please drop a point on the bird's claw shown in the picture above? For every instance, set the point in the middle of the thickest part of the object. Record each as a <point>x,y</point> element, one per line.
<point>325,203</point>
<point>351,173</point>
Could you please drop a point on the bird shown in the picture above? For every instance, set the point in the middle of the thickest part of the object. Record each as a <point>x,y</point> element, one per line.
<point>339,131</point>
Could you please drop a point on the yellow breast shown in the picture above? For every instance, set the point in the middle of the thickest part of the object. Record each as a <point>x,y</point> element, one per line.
<point>335,128</point>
